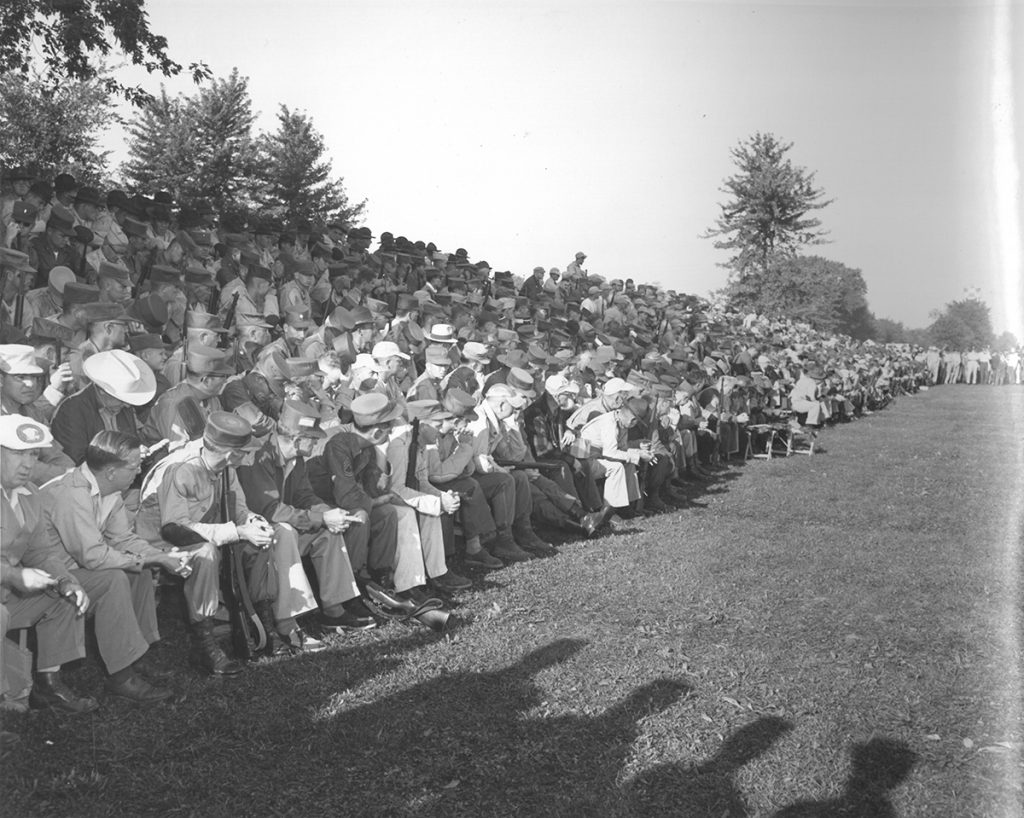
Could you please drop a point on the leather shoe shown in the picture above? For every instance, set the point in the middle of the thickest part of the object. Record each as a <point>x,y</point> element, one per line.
<point>298,641</point>
<point>147,667</point>
<point>350,621</point>
<point>529,541</point>
<point>590,523</point>
<point>510,552</point>
<point>138,690</point>
<point>449,582</point>
<point>49,690</point>
<point>483,559</point>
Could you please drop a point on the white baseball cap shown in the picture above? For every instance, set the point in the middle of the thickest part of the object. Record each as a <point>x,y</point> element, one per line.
<point>21,433</point>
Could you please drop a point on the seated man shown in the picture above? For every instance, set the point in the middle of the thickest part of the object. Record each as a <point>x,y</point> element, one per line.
<point>501,402</point>
<point>197,498</point>
<point>31,571</point>
<point>85,518</point>
<point>807,397</point>
<point>607,437</point>
<point>22,393</point>
<point>358,470</point>
<point>276,485</point>
<point>120,383</point>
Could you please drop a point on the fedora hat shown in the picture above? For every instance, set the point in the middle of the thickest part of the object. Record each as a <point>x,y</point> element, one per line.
<point>121,375</point>
<point>441,334</point>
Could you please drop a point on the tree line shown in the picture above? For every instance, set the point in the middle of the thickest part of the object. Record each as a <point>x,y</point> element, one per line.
<point>766,223</point>
<point>198,146</point>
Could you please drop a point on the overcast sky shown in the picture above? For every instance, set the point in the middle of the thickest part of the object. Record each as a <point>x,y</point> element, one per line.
<point>527,131</point>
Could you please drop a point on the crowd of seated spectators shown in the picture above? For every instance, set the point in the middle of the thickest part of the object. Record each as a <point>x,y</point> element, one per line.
<point>364,424</point>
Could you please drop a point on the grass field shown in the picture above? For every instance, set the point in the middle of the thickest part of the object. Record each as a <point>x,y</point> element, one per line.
<point>828,635</point>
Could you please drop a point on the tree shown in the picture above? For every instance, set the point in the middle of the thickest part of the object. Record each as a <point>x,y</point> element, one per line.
<point>74,36</point>
<point>54,130</point>
<point>964,324</point>
<point>296,177</point>
<point>198,147</point>
<point>766,217</point>
<point>888,331</point>
<point>826,294</point>
<point>1006,341</point>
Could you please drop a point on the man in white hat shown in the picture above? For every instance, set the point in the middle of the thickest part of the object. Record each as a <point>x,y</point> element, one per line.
<point>48,301</point>
<point>120,383</point>
<point>392,368</point>
<point>21,381</point>
<point>612,396</point>
<point>31,570</point>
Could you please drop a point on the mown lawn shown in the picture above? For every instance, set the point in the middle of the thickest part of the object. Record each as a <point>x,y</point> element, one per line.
<point>833,635</point>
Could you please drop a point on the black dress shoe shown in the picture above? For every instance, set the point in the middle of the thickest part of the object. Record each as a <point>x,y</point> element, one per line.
<point>349,621</point>
<point>138,690</point>
<point>49,691</point>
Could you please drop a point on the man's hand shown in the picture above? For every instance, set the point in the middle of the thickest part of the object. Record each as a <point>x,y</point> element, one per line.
<point>360,517</point>
<point>450,502</point>
<point>256,531</point>
<point>568,438</point>
<point>175,562</point>
<point>75,594</point>
<point>31,580</point>
<point>61,377</point>
<point>336,520</point>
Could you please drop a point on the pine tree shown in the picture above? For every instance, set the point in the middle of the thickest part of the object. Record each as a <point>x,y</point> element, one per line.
<point>296,177</point>
<point>159,156</point>
<point>766,218</point>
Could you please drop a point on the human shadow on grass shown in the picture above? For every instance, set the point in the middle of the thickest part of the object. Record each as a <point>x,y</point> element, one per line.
<point>707,788</point>
<point>877,767</point>
<point>482,743</point>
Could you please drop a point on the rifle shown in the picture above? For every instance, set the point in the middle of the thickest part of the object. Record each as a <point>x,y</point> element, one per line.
<point>410,472</point>
<point>229,316</point>
<point>247,632</point>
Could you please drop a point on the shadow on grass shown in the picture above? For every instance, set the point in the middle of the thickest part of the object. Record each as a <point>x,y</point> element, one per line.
<point>709,788</point>
<point>877,767</point>
<point>473,744</point>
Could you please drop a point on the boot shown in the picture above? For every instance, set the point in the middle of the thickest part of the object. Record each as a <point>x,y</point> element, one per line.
<point>49,690</point>
<point>274,646</point>
<point>505,548</point>
<point>211,656</point>
<point>527,539</point>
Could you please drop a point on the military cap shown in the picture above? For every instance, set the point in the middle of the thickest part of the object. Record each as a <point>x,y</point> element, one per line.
<point>133,227</point>
<point>14,260</point>
<point>101,312</point>
<point>341,320</point>
<point>159,213</point>
<point>199,276</point>
<point>361,317</point>
<point>20,433</point>
<point>248,257</point>
<point>506,393</point>
<point>88,195</point>
<point>373,409</point>
<point>437,355</point>
<point>64,182</point>
<point>515,358</point>
<point>200,237</point>
<point>297,317</point>
<point>204,360</point>
<point>225,430</point>
<point>162,274</point>
<point>118,199</point>
<point>460,403</point>
<point>114,271</point>
<point>303,267</point>
<point>24,212</point>
<point>521,380</point>
<point>299,419</point>
<point>427,410</point>
<point>147,340</point>
<point>475,351</point>
<point>42,189</point>
<point>60,223</point>
<point>75,293</point>
<point>259,271</point>
<point>295,368</point>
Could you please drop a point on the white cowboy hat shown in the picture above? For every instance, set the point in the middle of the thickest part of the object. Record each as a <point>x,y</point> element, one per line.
<point>121,375</point>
